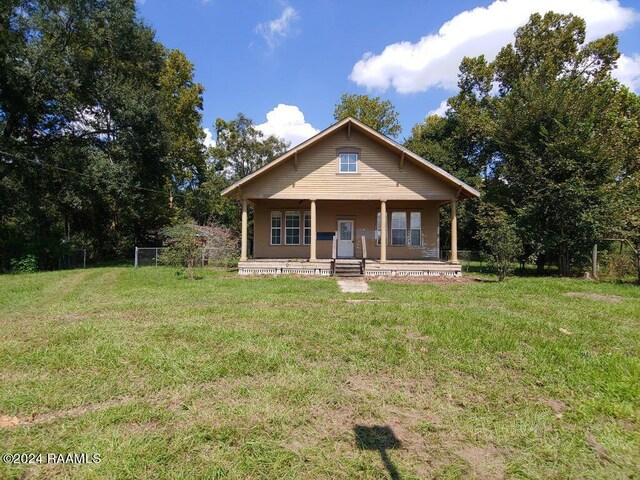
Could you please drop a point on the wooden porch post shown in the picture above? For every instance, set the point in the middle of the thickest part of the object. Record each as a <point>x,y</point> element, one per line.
<point>312,254</point>
<point>454,231</point>
<point>383,231</point>
<point>245,227</point>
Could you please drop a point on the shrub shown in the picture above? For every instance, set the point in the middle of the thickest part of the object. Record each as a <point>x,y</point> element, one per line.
<point>26,264</point>
<point>183,248</point>
<point>498,234</point>
<point>615,264</point>
<point>221,246</point>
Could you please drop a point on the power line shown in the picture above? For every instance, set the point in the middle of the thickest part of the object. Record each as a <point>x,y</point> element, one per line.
<point>81,174</point>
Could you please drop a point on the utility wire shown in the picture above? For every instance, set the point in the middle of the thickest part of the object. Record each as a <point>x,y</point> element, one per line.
<point>85,175</point>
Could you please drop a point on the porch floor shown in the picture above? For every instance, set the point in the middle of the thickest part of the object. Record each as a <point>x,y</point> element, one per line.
<point>274,266</point>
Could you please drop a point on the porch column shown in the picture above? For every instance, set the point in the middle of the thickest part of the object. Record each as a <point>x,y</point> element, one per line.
<point>245,222</point>
<point>312,254</point>
<point>383,231</point>
<point>454,231</point>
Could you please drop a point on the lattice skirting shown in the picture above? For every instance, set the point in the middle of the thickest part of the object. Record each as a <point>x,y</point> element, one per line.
<point>327,272</point>
<point>279,271</point>
<point>412,273</point>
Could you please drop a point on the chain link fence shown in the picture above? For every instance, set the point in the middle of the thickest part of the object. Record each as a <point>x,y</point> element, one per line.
<point>148,256</point>
<point>74,259</point>
<point>152,257</point>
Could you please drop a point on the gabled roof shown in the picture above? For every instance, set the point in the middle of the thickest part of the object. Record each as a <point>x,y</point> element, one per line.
<point>464,189</point>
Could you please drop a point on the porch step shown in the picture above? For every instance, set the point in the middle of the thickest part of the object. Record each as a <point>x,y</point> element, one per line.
<point>346,268</point>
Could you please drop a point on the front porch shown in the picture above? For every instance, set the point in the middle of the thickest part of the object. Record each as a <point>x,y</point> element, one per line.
<point>277,266</point>
<point>304,235</point>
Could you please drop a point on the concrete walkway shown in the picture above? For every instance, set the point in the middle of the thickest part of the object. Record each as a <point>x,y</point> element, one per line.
<point>356,285</point>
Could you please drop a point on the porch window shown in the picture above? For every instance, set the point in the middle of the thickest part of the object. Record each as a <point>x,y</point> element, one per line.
<point>398,228</point>
<point>292,228</point>
<point>379,229</point>
<point>348,163</point>
<point>307,228</point>
<point>276,228</point>
<point>415,233</point>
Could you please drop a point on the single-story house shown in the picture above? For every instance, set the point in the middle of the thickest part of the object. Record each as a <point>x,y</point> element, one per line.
<point>346,195</point>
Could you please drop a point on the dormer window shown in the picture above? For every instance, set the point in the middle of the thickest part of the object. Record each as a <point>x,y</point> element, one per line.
<point>348,162</point>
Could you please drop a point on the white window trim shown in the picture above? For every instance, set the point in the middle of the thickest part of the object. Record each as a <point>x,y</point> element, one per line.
<point>297,213</point>
<point>410,228</point>
<point>279,215</point>
<point>304,228</point>
<point>357,154</point>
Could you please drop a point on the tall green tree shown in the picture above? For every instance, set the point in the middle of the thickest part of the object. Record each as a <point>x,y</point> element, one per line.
<point>556,126</point>
<point>86,159</point>
<point>241,148</point>
<point>379,114</point>
<point>443,142</point>
<point>181,114</point>
<point>551,134</point>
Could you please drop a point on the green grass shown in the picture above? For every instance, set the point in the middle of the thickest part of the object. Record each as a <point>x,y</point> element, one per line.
<point>231,377</point>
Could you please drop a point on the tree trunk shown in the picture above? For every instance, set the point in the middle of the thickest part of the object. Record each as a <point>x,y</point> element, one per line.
<point>540,261</point>
<point>563,264</point>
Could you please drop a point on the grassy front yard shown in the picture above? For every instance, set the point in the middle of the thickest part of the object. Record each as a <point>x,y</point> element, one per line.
<point>288,378</point>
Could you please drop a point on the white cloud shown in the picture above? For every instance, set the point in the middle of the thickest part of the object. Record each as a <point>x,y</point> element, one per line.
<point>441,110</point>
<point>628,71</point>
<point>287,121</point>
<point>433,61</point>
<point>275,31</point>
<point>208,139</point>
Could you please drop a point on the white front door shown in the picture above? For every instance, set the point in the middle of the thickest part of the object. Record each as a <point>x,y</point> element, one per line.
<point>345,238</point>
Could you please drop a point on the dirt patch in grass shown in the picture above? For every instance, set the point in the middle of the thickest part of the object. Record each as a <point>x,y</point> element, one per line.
<point>425,279</point>
<point>487,462</point>
<point>362,300</point>
<point>412,388</point>
<point>66,413</point>
<point>595,296</point>
<point>598,449</point>
<point>8,421</point>
<point>557,406</point>
<point>418,337</point>
<point>172,398</point>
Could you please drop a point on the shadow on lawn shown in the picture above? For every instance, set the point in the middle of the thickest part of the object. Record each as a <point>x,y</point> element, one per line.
<point>378,438</point>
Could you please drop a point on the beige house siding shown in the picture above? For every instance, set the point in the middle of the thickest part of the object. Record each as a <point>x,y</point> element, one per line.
<point>379,175</point>
<point>329,212</point>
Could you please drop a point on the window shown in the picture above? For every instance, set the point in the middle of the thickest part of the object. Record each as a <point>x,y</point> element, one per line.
<point>307,228</point>
<point>292,228</point>
<point>379,229</point>
<point>348,163</point>
<point>416,229</point>
<point>398,228</point>
<point>276,228</point>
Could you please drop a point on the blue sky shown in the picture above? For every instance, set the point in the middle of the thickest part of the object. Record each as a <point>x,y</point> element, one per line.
<point>292,60</point>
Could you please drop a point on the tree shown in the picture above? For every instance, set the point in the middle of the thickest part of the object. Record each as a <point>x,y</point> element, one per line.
<point>498,234</point>
<point>556,124</point>
<point>443,142</point>
<point>241,148</point>
<point>180,111</point>
<point>379,114</point>
<point>97,126</point>
<point>550,133</point>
